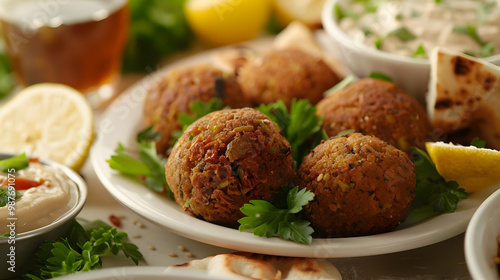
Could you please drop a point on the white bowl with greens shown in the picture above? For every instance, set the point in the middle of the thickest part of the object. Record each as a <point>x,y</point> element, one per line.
<point>26,184</point>
<point>395,37</point>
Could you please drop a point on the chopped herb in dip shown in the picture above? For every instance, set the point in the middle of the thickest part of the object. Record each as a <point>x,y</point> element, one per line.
<point>413,28</point>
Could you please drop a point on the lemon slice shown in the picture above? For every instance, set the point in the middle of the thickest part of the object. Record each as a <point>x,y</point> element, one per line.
<point>305,11</point>
<point>222,22</point>
<point>50,121</point>
<point>474,169</point>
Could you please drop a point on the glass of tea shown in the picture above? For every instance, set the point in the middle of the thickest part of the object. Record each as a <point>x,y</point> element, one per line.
<point>74,42</point>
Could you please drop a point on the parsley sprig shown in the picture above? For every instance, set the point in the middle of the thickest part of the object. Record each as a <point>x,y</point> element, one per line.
<point>82,251</point>
<point>199,109</point>
<point>267,220</point>
<point>434,195</point>
<point>150,167</point>
<point>300,126</point>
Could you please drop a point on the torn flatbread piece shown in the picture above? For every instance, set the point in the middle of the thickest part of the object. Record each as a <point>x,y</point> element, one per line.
<point>258,266</point>
<point>464,92</point>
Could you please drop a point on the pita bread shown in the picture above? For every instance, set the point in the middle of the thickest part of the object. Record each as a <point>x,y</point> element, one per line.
<point>257,266</point>
<point>464,92</point>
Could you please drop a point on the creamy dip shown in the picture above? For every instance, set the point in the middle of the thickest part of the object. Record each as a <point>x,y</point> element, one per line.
<point>414,27</point>
<point>41,205</point>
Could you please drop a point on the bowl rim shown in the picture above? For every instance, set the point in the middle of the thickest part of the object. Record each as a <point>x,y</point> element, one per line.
<point>474,234</point>
<point>81,187</point>
<point>329,21</point>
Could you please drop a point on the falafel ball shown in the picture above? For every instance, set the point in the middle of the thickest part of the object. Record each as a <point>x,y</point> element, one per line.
<point>376,107</point>
<point>224,160</point>
<point>362,185</point>
<point>286,74</point>
<point>173,93</point>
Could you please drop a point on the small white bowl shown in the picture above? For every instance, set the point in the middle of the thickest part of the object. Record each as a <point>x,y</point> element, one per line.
<point>26,243</point>
<point>411,74</point>
<point>481,239</point>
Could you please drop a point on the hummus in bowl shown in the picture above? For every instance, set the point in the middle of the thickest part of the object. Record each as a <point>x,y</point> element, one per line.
<point>48,196</point>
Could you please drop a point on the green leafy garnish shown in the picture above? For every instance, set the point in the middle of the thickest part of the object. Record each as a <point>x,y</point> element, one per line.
<point>434,195</point>
<point>340,13</point>
<point>81,251</point>
<point>199,109</point>
<point>487,49</point>
<point>301,127</point>
<point>17,163</point>
<point>484,10</point>
<point>378,42</point>
<point>403,34</point>
<point>478,143</point>
<point>148,134</point>
<point>267,220</point>
<point>7,80</point>
<point>150,168</point>
<point>420,52</point>
<point>4,196</point>
<point>380,76</point>
<point>145,48</point>
<point>340,85</point>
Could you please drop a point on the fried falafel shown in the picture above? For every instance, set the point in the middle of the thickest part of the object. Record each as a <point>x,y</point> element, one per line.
<point>362,186</point>
<point>286,74</point>
<point>376,107</point>
<point>224,160</point>
<point>173,93</point>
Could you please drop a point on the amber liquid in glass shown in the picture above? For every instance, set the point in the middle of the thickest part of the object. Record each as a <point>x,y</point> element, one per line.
<point>78,43</point>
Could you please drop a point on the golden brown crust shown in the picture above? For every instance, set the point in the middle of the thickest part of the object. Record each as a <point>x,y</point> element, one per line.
<point>172,95</point>
<point>379,108</point>
<point>286,74</point>
<point>362,185</point>
<point>226,159</point>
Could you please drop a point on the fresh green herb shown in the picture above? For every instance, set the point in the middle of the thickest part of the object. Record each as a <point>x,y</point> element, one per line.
<point>403,34</point>
<point>4,196</point>
<point>199,109</point>
<point>150,168</point>
<point>487,49</point>
<point>301,127</point>
<point>342,84</point>
<point>145,48</point>
<point>17,162</point>
<point>267,220</point>
<point>438,1</point>
<point>367,31</point>
<point>370,6</point>
<point>7,80</point>
<point>484,10</point>
<point>469,30</point>
<point>380,76</point>
<point>399,17</point>
<point>420,52</point>
<point>148,134</point>
<point>378,42</point>
<point>434,195</point>
<point>341,14</point>
<point>478,143</point>
<point>81,251</point>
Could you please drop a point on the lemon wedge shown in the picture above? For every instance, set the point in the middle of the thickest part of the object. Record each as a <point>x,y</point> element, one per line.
<point>306,11</point>
<point>474,169</point>
<point>50,121</point>
<point>222,22</point>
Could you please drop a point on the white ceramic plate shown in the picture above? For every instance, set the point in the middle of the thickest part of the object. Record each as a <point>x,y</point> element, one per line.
<point>123,119</point>
<point>481,239</point>
<point>142,272</point>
